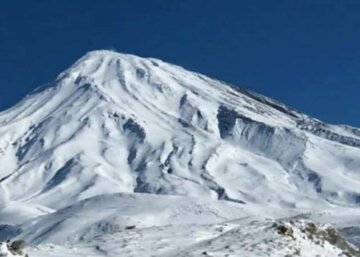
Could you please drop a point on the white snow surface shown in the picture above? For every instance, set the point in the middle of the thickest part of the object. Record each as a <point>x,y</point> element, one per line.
<point>119,140</point>
<point>235,238</point>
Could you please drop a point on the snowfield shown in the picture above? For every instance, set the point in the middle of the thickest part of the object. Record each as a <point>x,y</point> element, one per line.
<point>128,156</point>
<point>237,238</point>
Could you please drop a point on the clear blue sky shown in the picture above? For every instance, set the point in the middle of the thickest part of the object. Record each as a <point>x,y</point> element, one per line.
<point>305,53</point>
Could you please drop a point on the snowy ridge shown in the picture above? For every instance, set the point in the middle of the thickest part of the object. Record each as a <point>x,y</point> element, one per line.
<point>116,124</point>
<point>234,238</point>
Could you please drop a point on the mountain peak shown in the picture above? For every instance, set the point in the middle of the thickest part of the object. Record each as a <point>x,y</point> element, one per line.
<point>103,66</point>
<point>108,57</point>
<point>162,124</point>
<point>102,54</point>
<point>115,126</point>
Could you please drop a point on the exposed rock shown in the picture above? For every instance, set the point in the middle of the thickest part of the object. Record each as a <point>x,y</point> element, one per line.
<point>15,248</point>
<point>285,230</point>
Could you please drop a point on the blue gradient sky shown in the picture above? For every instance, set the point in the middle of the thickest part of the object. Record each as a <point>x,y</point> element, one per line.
<point>303,53</point>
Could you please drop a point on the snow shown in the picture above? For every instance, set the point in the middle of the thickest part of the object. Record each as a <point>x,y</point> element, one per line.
<point>119,140</point>
<point>236,238</point>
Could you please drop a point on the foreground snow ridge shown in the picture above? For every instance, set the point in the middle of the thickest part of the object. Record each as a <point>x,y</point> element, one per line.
<point>119,141</point>
<point>237,238</point>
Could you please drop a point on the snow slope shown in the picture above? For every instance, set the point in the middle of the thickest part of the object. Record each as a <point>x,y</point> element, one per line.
<point>116,126</point>
<point>107,214</point>
<point>235,238</point>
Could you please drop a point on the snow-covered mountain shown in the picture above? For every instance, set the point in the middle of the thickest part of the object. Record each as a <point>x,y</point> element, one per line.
<point>116,126</point>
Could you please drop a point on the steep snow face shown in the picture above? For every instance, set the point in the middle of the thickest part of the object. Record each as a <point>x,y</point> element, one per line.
<point>120,123</point>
